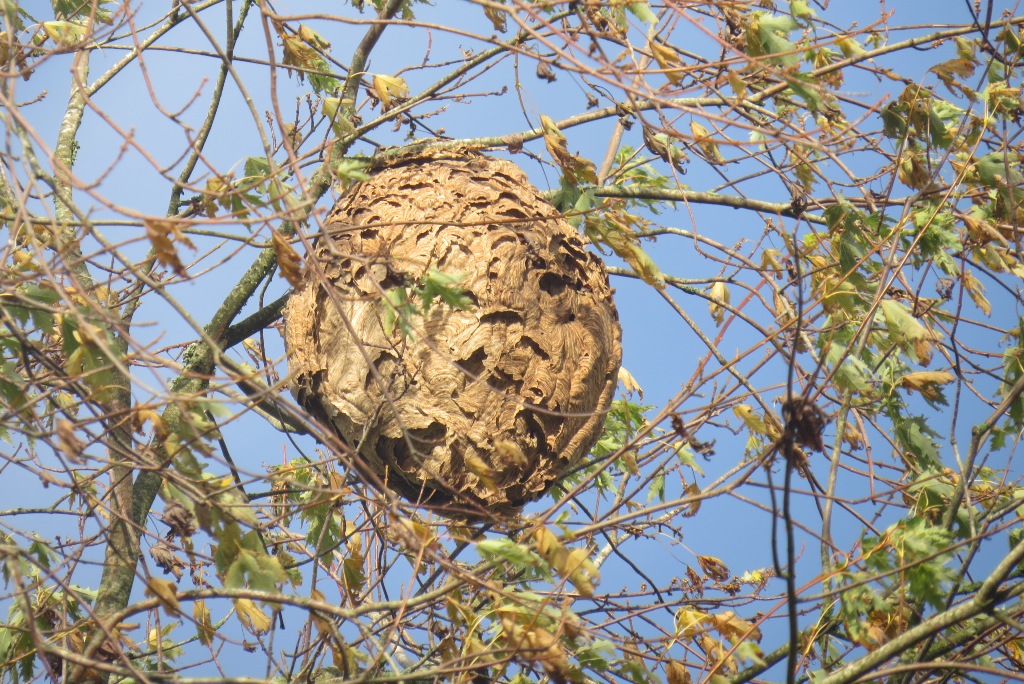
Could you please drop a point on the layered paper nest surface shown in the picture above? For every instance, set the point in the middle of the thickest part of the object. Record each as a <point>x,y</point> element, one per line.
<point>475,409</point>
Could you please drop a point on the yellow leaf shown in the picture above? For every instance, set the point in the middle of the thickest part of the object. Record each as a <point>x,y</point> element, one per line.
<point>575,168</point>
<point>926,382</point>
<point>342,656</point>
<point>497,17</point>
<point>288,260</point>
<point>509,452</point>
<point>323,625</point>
<point>65,33</point>
<point>676,673</point>
<point>643,265</point>
<point>312,38</point>
<point>482,470</point>
<point>629,382</point>
<point>163,235</point>
<point>849,46</point>
<point>582,572</point>
<point>912,170</point>
<point>629,462</point>
<point>733,628</point>
<point>983,231</point>
<point>68,440</point>
<point>661,144</point>
<point>142,416</point>
<point>252,617</point>
<point>669,61</point>
<point>948,71</point>
<point>783,310</point>
<point>977,293</point>
<point>204,625</point>
<point>707,146</point>
<point>739,86</point>
<point>546,540</point>
<point>755,422</point>
<point>690,622</point>
<point>164,591</point>
<point>537,644</point>
<point>923,351</point>
<point>417,533</point>
<point>907,330</point>
<point>691,509</point>
<point>719,296</point>
<point>854,436</point>
<point>297,52</point>
<point>391,90</point>
<point>551,550</point>
<point>714,568</point>
<point>716,652</point>
<point>335,113</point>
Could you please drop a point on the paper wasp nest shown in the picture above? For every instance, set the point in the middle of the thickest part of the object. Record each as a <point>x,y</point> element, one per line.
<point>482,407</point>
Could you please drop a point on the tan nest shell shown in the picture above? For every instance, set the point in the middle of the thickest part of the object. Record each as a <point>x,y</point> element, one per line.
<point>483,407</point>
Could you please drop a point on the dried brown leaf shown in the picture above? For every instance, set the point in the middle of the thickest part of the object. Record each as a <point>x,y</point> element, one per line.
<point>676,673</point>
<point>576,168</point>
<point>714,568</point>
<point>252,616</point>
<point>163,235</point>
<point>927,382</point>
<point>165,592</point>
<point>668,59</point>
<point>288,260</point>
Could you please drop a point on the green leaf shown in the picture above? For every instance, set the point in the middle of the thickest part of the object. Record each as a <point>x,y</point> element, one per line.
<point>12,390</point>
<point>894,120</point>
<point>257,167</point>
<point>253,568</point>
<point>805,87</point>
<point>65,33</point>
<point>801,11</point>
<point>353,574</point>
<point>917,440</point>
<point>566,197</point>
<point>41,318</point>
<point>610,230</point>
<point>75,9</point>
<point>351,170</point>
<point>657,488</point>
<point>497,550</point>
<point>767,36</point>
<point>634,670</point>
<point>14,13</point>
<point>443,286</point>
<point>44,554</point>
<point>398,311</point>
<point>998,169</point>
<point>922,549</point>
<point>851,372</point>
<point>596,656</point>
<point>642,11</point>
<point>621,424</point>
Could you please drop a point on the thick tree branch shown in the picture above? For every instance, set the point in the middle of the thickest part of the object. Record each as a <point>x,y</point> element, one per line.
<point>988,597</point>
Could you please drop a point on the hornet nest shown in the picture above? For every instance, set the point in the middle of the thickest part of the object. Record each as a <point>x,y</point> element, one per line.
<point>477,409</point>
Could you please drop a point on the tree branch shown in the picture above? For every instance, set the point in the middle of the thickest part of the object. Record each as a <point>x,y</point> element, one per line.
<point>984,601</point>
